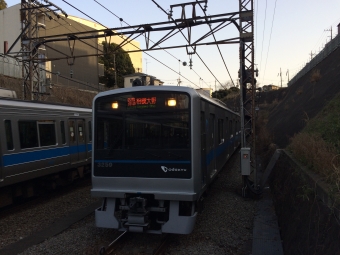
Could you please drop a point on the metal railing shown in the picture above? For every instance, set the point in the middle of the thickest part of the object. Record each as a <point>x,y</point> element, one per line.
<point>328,49</point>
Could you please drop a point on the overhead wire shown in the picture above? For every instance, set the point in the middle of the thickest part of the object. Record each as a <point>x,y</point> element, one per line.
<point>218,47</point>
<point>264,28</point>
<point>187,41</point>
<point>270,36</point>
<point>128,42</point>
<point>122,20</point>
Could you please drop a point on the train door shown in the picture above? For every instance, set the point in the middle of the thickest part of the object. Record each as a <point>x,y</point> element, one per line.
<point>203,150</point>
<point>7,137</point>
<point>1,159</point>
<point>211,139</point>
<point>78,148</point>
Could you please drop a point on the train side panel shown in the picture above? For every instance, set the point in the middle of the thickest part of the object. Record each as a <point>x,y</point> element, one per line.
<point>36,140</point>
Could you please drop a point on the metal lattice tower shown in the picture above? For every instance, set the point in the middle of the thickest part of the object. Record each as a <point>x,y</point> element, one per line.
<point>247,82</point>
<point>33,15</point>
<point>30,71</point>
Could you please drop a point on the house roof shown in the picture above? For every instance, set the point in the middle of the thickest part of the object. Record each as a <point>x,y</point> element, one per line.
<point>138,74</point>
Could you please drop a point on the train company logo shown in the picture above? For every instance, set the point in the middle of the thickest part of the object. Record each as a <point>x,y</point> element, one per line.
<point>168,169</point>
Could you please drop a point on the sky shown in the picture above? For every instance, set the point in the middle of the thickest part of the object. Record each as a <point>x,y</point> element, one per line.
<point>287,33</point>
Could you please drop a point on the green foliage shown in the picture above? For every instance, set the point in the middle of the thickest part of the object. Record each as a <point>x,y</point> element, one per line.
<point>3,4</point>
<point>318,145</point>
<point>222,93</point>
<point>113,53</point>
<point>327,123</point>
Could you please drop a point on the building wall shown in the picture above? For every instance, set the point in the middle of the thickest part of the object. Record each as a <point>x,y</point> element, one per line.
<point>10,27</point>
<point>83,69</point>
<point>136,57</point>
<point>128,80</point>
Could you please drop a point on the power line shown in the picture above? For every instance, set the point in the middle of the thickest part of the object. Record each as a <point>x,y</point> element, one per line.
<point>218,47</point>
<point>270,36</point>
<point>186,39</point>
<point>121,19</point>
<point>264,28</point>
<point>129,42</point>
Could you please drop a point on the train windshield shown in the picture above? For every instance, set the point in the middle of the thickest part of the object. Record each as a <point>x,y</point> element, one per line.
<point>143,126</point>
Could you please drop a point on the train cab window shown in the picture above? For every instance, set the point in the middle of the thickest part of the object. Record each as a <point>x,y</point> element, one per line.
<point>47,133</point>
<point>9,136</point>
<point>28,134</point>
<point>90,131</point>
<point>62,130</point>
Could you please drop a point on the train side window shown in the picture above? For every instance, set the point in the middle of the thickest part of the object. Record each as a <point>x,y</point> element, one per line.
<point>220,131</point>
<point>28,134</point>
<point>72,136</point>
<point>9,136</point>
<point>47,133</point>
<point>81,131</point>
<point>90,131</point>
<point>231,128</point>
<point>62,130</point>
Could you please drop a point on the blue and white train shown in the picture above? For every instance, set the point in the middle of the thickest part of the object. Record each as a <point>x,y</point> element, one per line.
<point>39,140</point>
<point>156,149</point>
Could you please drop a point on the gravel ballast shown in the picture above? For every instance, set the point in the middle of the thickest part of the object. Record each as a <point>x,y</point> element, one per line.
<point>224,227</point>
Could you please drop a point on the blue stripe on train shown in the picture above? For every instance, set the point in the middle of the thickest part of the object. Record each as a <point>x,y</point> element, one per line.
<point>31,156</point>
<point>144,161</point>
<point>220,149</point>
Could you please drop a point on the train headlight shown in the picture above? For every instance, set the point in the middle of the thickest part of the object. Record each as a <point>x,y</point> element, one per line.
<point>114,105</point>
<point>171,102</point>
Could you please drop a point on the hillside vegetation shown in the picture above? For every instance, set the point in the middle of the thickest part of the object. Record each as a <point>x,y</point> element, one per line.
<point>318,145</point>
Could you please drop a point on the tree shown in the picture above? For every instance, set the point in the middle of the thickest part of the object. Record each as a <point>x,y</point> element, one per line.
<point>3,4</point>
<point>222,93</point>
<point>124,66</point>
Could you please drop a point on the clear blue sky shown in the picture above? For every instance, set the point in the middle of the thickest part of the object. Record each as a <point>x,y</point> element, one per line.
<point>287,32</point>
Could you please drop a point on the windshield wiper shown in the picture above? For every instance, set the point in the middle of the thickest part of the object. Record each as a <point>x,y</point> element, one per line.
<point>178,156</point>
<point>157,156</point>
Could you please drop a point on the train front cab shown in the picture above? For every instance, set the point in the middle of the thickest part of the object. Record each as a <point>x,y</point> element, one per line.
<point>142,161</point>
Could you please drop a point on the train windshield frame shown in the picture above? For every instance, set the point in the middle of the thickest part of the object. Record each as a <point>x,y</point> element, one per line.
<point>137,134</point>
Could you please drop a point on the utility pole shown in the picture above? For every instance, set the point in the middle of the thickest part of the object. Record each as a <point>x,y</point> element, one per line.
<point>280,73</point>
<point>330,31</point>
<point>179,73</point>
<point>247,98</point>
<point>311,55</point>
<point>287,73</point>
<point>146,65</point>
<point>114,62</point>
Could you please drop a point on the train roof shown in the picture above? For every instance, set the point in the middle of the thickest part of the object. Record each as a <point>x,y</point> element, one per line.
<point>41,105</point>
<point>190,91</point>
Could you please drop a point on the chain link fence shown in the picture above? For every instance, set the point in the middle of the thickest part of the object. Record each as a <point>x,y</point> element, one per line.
<point>10,66</point>
<point>328,49</point>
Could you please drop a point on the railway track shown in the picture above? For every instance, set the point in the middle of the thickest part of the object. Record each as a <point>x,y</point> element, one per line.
<point>118,243</point>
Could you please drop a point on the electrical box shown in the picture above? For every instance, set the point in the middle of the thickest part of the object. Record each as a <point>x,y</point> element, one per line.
<point>245,161</point>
